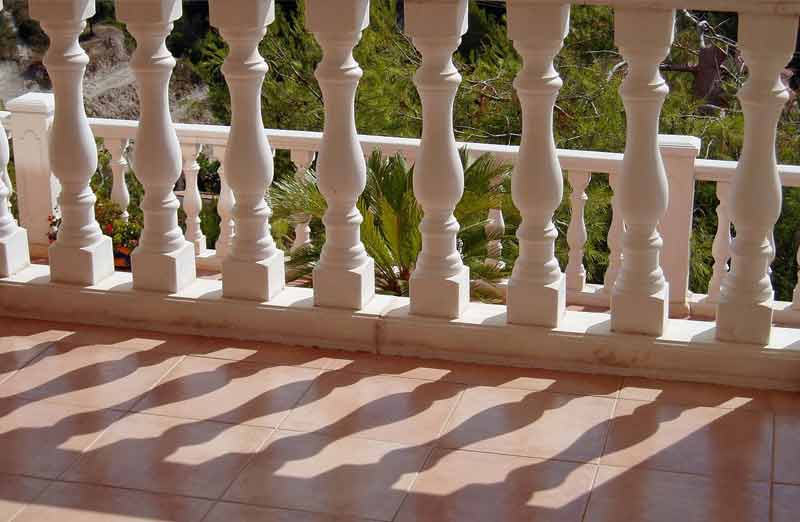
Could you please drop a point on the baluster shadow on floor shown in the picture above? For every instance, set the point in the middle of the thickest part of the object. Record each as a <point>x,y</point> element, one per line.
<point>176,423</point>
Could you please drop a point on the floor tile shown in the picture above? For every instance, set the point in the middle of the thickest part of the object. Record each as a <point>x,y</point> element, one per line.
<point>226,512</point>
<point>731,443</point>
<point>226,391</point>
<point>655,496</point>
<point>66,502</point>
<point>270,353</point>
<point>475,374</point>
<point>785,503</point>
<point>344,476</point>
<point>44,439</point>
<point>694,394</point>
<point>532,424</point>
<point>169,455</point>
<point>21,341</point>
<point>375,406</point>
<point>92,376</point>
<point>787,450</point>
<point>465,486</point>
<point>785,403</point>
<point>16,492</point>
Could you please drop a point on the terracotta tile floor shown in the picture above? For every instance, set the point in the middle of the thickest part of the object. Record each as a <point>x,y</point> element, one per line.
<point>121,425</point>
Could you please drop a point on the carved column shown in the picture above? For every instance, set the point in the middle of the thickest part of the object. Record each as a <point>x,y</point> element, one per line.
<point>576,233</point>
<point>614,240</point>
<point>119,167</point>
<point>82,254</point>
<point>164,260</point>
<point>345,275</point>
<point>225,203</point>
<point>302,160</point>
<point>439,285</point>
<point>254,269</point>
<point>192,202</point>
<point>744,312</point>
<point>14,253</point>
<point>721,249</point>
<point>640,298</point>
<point>537,289</point>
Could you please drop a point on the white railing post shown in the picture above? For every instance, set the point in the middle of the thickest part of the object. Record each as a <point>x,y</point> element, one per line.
<point>537,288</point>
<point>744,313</point>
<point>679,153</point>
<point>439,285</point>
<point>614,240</point>
<point>721,249</point>
<point>119,167</point>
<point>302,160</point>
<point>192,202</point>
<point>164,260</point>
<point>225,203</point>
<point>639,300</point>
<point>345,274</point>
<point>81,254</point>
<point>576,233</point>
<point>37,189</point>
<point>14,252</point>
<point>255,267</point>
<point>495,228</point>
<point>796,296</point>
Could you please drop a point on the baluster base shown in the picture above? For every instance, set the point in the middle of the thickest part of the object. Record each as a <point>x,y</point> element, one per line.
<point>200,245</point>
<point>348,289</point>
<point>640,314</point>
<point>537,305</point>
<point>744,323</point>
<point>170,273</point>
<point>576,281</point>
<point>440,297</point>
<point>14,253</point>
<point>82,266</point>
<point>796,298</point>
<point>259,281</point>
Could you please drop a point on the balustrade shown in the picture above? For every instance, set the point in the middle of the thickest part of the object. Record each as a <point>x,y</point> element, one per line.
<point>164,260</point>
<point>744,312</point>
<point>537,288</point>
<point>192,202</point>
<point>721,249</point>
<point>225,204</point>
<point>302,160</point>
<point>439,285</point>
<point>345,274</point>
<point>81,254</point>
<point>119,168</point>
<point>254,269</point>
<point>576,233</point>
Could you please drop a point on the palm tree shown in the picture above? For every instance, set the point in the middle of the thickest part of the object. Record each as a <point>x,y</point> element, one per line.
<point>390,230</point>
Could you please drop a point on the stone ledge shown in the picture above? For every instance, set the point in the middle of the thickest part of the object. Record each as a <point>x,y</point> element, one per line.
<point>583,343</point>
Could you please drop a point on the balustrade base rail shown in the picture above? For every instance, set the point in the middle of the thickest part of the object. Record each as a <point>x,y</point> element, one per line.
<point>686,351</point>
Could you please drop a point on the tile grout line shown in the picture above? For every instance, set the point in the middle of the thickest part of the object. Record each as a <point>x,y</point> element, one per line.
<point>603,450</point>
<point>772,467</point>
<point>407,492</point>
<point>157,383</point>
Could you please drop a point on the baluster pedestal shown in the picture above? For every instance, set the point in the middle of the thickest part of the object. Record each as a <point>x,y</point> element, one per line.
<point>640,298</point>
<point>744,311</point>
<point>537,288</point>
<point>345,274</point>
<point>82,254</point>
<point>164,261</point>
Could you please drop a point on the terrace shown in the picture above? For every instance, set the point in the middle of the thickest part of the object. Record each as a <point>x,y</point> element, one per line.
<point>237,396</point>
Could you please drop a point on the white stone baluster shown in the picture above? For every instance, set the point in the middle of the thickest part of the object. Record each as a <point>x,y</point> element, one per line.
<point>345,275</point>
<point>439,285</point>
<point>14,252</point>
<point>537,289</point>
<point>81,254</point>
<point>192,202</point>
<point>721,249</point>
<point>164,260</point>
<point>254,269</point>
<point>225,204</point>
<point>302,160</point>
<point>640,298</point>
<point>744,312</point>
<point>119,167</point>
<point>495,228</point>
<point>576,233</point>
<point>614,240</point>
<point>796,296</point>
